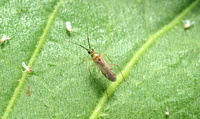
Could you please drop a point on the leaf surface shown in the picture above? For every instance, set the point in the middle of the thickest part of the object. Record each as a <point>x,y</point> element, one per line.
<point>166,74</point>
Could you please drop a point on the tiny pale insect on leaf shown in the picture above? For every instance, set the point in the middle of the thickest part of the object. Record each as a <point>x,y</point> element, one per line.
<point>167,112</point>
<point>68,26</point>
<point>188,24</point>
<point>4,37</point>
<point>28,68</point>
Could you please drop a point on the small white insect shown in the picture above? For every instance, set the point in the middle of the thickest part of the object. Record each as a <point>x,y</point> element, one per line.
<point>28,68</point>
<point>4,38</point>
<point>167,112</point>
<point>188,24</point>
<point>68,26</point>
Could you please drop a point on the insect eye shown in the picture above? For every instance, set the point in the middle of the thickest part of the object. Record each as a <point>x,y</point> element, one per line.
<point>88,52</point>
<point>99,59</point>
<point>92,50</point>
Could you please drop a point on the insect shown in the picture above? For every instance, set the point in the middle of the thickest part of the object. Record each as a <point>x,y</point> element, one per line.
<point>99,61</point>
<point>167,112</point>
<point>4,38</point>
<point>28,68</point>
<point>68,26</point>
<point>188,24</point>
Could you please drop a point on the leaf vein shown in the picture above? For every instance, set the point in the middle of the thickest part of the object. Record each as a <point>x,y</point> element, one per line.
<point>31,61</point>
<point>135,58</point>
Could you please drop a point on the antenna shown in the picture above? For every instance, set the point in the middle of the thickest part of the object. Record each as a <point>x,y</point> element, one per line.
<point>77,44</point>
<point>88,38</point>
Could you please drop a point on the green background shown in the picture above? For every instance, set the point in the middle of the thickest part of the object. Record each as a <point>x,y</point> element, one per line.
<point>167,75</point>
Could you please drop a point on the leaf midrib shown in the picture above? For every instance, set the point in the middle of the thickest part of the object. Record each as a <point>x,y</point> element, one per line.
<point>136,57</point>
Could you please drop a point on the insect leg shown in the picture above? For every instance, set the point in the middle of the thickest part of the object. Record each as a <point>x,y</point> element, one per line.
<point>90,70</point>
<point>102,82</point>
<point>106,56</point>
<point>86,59</point>
<point>119,70</point>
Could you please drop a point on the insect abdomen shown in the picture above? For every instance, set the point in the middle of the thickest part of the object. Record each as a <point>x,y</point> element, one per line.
<point>110,74</point>
<point>104,67</point>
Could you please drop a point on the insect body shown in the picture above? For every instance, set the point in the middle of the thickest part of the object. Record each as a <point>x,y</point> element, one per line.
<point>68,26</point>
<point>188,24</point>
<point>99,60</point>
<point>103,65</point>
<point>4,38</point>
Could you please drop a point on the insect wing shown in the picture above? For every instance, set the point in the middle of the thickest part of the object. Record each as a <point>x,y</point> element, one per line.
<point>105,68</point>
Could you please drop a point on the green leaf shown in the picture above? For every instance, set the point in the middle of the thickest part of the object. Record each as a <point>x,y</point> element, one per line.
<point>158,57</point>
